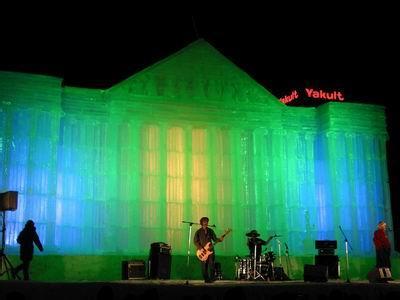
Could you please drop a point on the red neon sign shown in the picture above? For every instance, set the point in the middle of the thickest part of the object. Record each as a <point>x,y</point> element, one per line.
<point>317,94</point>
<point>291,97</point>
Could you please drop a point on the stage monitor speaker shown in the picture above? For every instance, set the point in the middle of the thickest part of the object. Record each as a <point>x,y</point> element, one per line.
<point>332,262</point>
<point>315,273</point>
<point>8,201</point>
<point>379,275</point>
<point>133,269</point>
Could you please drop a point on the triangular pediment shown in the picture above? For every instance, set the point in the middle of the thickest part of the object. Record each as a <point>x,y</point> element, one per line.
<point>196,74</point>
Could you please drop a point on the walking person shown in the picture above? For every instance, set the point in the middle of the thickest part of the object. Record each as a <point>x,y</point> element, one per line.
<point>26,238</point>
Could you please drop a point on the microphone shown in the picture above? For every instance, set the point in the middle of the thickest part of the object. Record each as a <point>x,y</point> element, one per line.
<point>287,248</point>
<point>388,228</point>
<point>212,225</point>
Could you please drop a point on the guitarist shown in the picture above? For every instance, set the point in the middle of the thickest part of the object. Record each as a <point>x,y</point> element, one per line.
<point>202,236</point>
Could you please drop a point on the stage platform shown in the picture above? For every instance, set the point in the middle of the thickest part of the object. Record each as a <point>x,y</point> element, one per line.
<point>196,289</point>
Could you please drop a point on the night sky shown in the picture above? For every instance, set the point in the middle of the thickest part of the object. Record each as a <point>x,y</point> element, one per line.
<point>352,53</point>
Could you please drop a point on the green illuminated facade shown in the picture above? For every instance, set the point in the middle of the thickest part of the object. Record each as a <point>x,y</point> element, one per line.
<point>105,173</point>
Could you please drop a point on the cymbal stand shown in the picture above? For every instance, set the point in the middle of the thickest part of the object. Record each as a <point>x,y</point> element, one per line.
<point>287,260</point>
<point>255,277</point>
<point>271,266</point>
<point>237,267</point>
<point>279,252</point>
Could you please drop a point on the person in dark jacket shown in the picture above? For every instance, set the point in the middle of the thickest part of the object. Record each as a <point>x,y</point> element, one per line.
<point>202,237</point>
<point>383,250</point>
<point>254,243</point>
<point>26,238</point>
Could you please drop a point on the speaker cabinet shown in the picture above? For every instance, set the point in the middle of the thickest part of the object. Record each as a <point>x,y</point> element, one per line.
<point>8,201</point>
<point>315,273</point>
<point>160,261</point>
<point>332,262</point>
<point>133,269</point>
<point>160,266</point>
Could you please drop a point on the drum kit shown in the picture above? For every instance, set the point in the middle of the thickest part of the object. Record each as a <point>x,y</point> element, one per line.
<point>257,266</point>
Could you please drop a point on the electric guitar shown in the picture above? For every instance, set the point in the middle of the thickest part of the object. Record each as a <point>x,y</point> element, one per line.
<point>205,252</point>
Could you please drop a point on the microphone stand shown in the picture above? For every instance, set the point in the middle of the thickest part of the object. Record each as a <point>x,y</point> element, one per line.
<point>287,260</point>
<point>189,240</point>
<point>347,245</point>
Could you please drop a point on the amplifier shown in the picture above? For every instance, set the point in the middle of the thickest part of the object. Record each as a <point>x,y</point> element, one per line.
<point>133,269</point>
<point>160,247</point>
<point>325,244</point>
<point>326,251</point>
